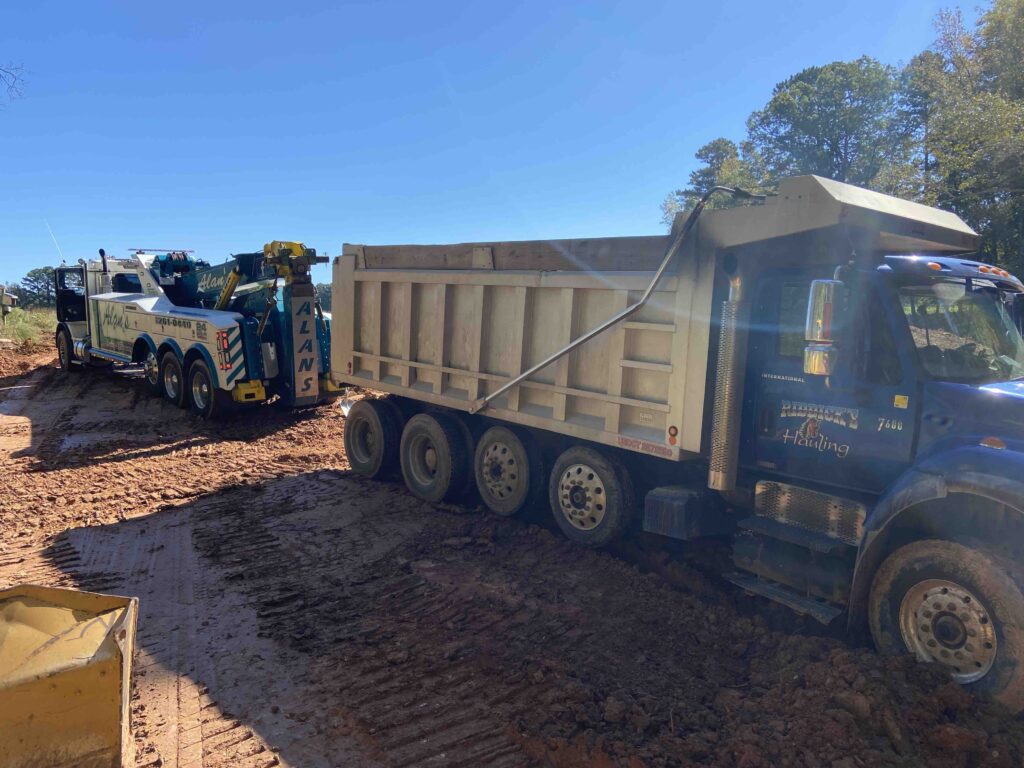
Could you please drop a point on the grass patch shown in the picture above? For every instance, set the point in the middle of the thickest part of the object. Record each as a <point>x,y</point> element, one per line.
<point>33,326</point>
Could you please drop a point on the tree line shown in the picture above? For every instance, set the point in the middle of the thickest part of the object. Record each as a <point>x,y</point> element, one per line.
<point>946,129</point>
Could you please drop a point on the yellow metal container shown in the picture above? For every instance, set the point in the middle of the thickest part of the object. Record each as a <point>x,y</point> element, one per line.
<point>65,678</point>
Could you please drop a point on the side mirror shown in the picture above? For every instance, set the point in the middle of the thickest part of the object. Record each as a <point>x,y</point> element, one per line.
<point>824,310</point>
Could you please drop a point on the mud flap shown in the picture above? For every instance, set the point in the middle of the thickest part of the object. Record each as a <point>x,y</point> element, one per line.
<point>65,678</point>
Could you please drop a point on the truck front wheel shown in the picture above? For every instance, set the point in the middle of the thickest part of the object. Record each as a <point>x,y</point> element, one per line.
<point>591,498</point>
<point>207,401</point>
<point>956,606</point>
<point>371,438</point>
<point>434,457</point>
<point>173,380</point>
<point>66,351</point>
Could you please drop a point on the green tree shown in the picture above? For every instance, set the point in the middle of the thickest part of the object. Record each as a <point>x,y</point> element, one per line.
<point>722,163</point>
<point>976,128</point>
<point>37,288</point>
<point>837,120</point>
<point>323,292</point>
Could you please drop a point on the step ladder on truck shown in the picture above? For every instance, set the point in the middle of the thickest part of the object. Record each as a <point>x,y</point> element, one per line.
<point>824,379</point>
<point>208,337</point>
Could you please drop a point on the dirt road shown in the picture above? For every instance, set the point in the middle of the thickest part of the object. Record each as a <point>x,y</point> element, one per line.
<point>294,615</point>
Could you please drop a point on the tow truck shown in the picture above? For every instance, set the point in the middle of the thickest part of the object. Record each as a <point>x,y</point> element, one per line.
<point>208,337</point>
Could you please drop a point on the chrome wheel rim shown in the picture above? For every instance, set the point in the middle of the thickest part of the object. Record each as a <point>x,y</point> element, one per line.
<point>200,392</point>
<point>423,460</point>
<point>945,623</point>
<point>503,478</point>
<point>171,383</point>
<point>152,369</point>
<point>582,497</point>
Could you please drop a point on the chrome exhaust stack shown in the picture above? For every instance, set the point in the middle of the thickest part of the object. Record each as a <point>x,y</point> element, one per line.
<point>728,403</point>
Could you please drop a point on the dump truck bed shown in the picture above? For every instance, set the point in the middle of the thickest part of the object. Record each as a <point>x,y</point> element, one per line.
<point>450,324</point>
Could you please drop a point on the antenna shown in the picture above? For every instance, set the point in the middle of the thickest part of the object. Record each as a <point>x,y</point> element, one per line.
<point>59,251</point>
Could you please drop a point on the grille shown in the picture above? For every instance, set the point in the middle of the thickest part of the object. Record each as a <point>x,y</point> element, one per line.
<point>839,518</point>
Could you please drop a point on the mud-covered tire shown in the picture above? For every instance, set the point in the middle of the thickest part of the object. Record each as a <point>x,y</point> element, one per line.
<point>434,457</point>
<point>151,373</point>
<point>372,438</point>
<point>508,470</point>
<point>66,352</point>
<point>982,605</point>
<point>205,399</point>
<point>172,380</point>
<point>591,497</point>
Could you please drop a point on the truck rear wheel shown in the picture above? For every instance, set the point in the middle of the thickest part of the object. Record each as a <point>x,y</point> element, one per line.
<point>207,400</point>
<point>509,470</point>
<point>173,380</point>
<point>434,457</point>
<point>372,438</point>
<point>591,497</point>
<point>956,606</point>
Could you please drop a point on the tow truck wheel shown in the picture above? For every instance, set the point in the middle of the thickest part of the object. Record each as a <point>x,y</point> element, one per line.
<point>151,372</point>
<point>207,401</point>
<point>434,457</point>
<point>956,606</point>
<point>173,380</point>
<point>508,469</point>
<point>591,497</point>
<point>66,352</point>
<point>372,437</point>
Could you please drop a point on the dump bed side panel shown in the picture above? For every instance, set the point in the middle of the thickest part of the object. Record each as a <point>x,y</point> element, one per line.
<point>450,336</point>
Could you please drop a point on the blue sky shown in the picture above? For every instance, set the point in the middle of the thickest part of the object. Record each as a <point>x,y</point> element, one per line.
<point>220,126</point>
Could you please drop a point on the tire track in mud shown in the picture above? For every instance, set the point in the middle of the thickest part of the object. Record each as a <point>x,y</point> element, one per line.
<point>294,615</point>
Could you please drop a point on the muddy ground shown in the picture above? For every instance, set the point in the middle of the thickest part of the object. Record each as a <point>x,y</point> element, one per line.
<point>295,615</point>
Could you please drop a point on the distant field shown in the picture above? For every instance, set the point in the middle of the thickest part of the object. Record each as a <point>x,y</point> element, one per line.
<point>33,325</point>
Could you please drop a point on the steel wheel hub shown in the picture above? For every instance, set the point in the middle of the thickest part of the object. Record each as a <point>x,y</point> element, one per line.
<point>364,443</point>
<point>423,462</point>
<point>200,393</point>
<point>501,473</point>
<point>945,623</point>
<point>171,383</point>
<point>581,496</point>
<point>152,368</point>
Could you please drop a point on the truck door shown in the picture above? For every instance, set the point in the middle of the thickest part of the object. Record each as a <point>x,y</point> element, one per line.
<point>853,430</point>
<point>70,290</point>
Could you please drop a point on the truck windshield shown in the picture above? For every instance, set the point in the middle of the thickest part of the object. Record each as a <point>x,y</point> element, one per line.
<point>963,331</point>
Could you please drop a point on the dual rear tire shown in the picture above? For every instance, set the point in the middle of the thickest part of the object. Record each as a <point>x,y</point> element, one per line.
<point>591,496</point>
<point>195,390</point>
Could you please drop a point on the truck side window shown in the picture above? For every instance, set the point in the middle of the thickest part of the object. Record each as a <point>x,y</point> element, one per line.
<point>881,360</point>
<point>71,280</point>
<point>792,318</point>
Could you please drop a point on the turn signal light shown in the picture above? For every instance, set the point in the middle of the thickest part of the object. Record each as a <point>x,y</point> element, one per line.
<point>993,442</point>
<point>934,265</point>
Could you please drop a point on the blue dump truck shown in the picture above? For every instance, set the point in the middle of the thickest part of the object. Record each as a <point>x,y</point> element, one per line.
<point>826,379</point>
<point>208,337</point>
